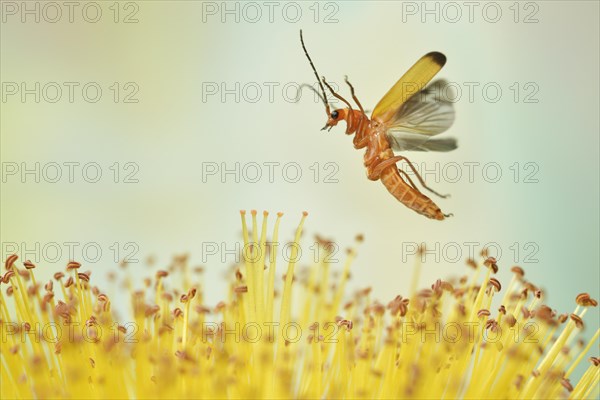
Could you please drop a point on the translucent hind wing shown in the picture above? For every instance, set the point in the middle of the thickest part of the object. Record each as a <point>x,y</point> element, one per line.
<point>441,145</point>
<point>426,114</point>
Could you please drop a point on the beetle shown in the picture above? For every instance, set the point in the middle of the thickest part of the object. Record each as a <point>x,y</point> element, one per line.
<point>407,118</point>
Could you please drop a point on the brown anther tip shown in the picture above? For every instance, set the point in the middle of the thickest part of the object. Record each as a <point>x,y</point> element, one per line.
<point>265,213</point>
<point>183,298</point>
<point>178,312</point>
<point>280,214</point>
<point>36,359</point>
<point>490,262</point>
<point>566,384</point>
<point>192,293</point>
<point>360,238</point>
<point>447,286</point>
<point>10,260</point>
<point>471,263</point>
<point>305,213</point>
<point>7,275</point>
<point>243,212</point>
<point>502,310</point>
<point>253,212</point>
<point>164,328</point>
<point>398,305</point>
<point>510,320</point>
<point>28,264</point>
<point>161,274</point>
<point>313,326</point>
<point>524,293</point>
<point>495,283</point>
<point>562,318</point>
<point>151,310</point>
<point>202,310</point>
<point>584,300</point>
<point>73,265</point>
<point>241,289</point>
<point>69,282</point>
<point>32,290</point>
<point>377,308</point>
<point>346,323</point>
<point>483,313</point>
<point>518,271</point>
<point>322,241</point>
<point>595,361</point>
<point>491,324</point>
<point>577,319</point>
<point>545,313</point>
<point>537,294</point>
<point>83,277</point>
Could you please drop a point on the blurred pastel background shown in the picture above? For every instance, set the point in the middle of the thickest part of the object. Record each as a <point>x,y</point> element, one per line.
<point>542,133</point>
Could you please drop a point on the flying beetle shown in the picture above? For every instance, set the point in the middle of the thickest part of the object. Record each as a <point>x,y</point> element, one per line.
<point>405,119</point>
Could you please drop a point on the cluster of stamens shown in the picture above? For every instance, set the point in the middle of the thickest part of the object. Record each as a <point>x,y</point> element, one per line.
<point>300,337</point>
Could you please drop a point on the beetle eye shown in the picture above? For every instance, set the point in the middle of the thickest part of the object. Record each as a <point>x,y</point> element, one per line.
<point>334,115</point>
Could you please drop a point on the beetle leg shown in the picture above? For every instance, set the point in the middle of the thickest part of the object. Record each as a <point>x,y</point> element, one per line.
<point>353,95</point>
<point>405,175</point>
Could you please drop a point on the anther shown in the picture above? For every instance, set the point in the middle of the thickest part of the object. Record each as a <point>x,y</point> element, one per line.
<point>584,299</point>
<point>577,319</point>
<point>10,261</point>
<point>73,265</point>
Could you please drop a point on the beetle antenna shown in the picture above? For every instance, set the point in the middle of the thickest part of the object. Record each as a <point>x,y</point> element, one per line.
<point>324,98</point>
<point>315,91</point>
